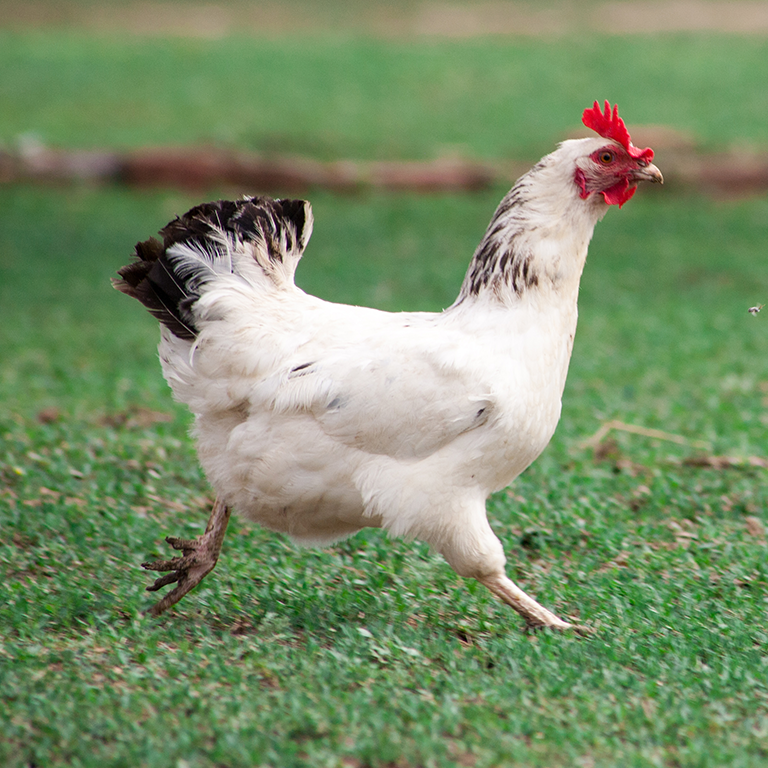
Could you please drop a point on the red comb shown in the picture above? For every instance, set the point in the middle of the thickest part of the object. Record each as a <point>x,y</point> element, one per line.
<point>610,126</point>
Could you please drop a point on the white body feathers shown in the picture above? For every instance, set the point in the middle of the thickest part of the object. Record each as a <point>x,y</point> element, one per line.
<point>317,419</point>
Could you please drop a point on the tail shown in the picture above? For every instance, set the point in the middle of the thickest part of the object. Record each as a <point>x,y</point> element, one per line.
<point>253,238</point>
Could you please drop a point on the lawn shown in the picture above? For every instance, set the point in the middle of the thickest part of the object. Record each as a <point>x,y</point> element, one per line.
<point>366,98</point>
<point>373,652</point>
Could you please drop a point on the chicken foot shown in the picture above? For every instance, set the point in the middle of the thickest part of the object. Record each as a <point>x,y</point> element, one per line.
<point>536,616</point>
<point>198,559</point>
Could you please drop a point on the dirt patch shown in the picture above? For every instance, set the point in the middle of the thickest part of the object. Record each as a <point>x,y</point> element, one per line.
<point>744,17</point>
<point>432,18</point>
<point>721,175</point>
<point>654,17</point>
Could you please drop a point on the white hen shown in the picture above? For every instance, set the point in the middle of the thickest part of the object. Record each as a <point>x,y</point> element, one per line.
<point>318,419</point>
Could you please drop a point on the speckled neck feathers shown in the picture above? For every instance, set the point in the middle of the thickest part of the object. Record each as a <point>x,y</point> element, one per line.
<point>538,236</point>
<point>503,263</point>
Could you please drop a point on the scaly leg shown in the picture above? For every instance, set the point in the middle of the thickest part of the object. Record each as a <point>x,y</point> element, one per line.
<point>536,616</point>
<point>474,551</point>
<point>198,559</point>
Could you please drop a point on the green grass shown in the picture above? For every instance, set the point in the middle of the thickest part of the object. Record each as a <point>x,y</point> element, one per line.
<point>359,98</point>
<point>374,649</point>
<point>372,652</point>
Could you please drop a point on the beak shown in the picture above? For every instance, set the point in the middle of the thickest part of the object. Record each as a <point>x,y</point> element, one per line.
<point>648,173</point>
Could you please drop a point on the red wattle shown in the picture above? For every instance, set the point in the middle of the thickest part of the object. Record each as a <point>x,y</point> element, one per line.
<point>619,193</point>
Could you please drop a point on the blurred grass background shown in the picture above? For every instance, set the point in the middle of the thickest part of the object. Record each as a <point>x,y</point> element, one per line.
<point>372,653</point>
<point>357,97</point>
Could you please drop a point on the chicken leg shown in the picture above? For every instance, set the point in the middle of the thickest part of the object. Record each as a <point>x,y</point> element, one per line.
<point>536,616</point>
<point>198,559</point>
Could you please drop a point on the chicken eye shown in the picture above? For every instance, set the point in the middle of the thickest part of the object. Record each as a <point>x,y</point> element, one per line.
<point>606,158</point>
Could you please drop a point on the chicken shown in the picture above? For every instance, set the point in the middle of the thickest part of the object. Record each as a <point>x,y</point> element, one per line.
<point>317,419</point>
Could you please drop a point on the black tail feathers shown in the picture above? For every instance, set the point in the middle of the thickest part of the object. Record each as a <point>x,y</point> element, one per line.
<point>281,227</point>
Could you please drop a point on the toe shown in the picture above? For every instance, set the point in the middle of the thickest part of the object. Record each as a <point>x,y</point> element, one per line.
<point>183,544</point>
<point>164,565</point>
<point>169,578</point>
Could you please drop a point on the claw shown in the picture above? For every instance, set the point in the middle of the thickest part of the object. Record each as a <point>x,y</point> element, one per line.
<point>183,544</point>
<point>583,631</point>
<point>197,561</point>
<point>160,582</point>
<point>163,565</point>
<point>536,616</point>
<point>578,629</point>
